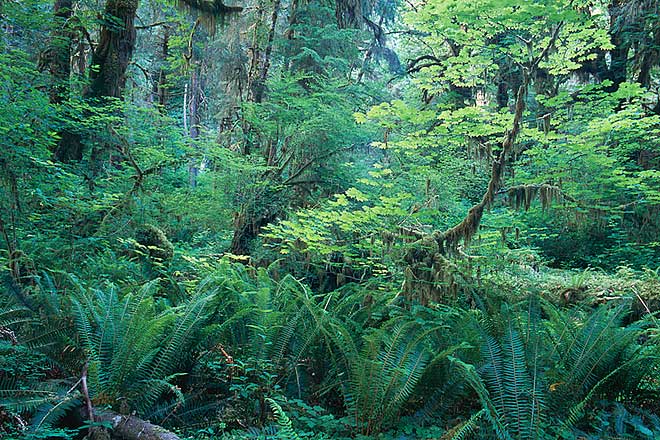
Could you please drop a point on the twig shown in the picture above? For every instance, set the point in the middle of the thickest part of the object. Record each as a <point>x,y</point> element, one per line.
<point>310,162</point>
<point>158,23</point>
<point>85,391</point>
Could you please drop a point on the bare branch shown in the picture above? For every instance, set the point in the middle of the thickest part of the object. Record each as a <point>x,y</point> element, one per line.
<point>310,162</point>
<point>152,25</point>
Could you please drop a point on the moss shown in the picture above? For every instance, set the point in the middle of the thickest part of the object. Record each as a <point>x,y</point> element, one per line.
<point>522,196</point>
<point>155,243</point>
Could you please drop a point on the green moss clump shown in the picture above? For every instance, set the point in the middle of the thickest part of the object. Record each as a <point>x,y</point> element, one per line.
<point>154,243</point>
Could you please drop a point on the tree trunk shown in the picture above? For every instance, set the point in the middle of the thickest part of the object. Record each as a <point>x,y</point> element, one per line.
<point>56,59</point>
<point>109,63</point>
<point>112,56</point>
<point>348,13</point>
<point>259,86</point>
<point>160,85</point>
<point>248,223</point>
<point>618,68</point>
<point>650,59</point>
<point>114,51</point>
<point>247,227</point>
<point>194,121</point>
<point>293,19</point>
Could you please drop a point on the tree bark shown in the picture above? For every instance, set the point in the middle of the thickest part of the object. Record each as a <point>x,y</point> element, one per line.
<point>131,427</point>
<point>56,59</point>
<point>650,58</point>
<point>115,49</point>
<point>112,56</point>
<point>160,86</point>
<point>618,68</point>
<point>348,13</point>
<point>259,85</point>
<point>194,121</point>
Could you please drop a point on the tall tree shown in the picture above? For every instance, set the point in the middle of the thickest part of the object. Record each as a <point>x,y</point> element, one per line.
<point>56,59</point>
<point>114,50</point>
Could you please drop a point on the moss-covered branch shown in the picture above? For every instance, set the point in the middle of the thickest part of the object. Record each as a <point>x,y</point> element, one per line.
<point>210,7</point>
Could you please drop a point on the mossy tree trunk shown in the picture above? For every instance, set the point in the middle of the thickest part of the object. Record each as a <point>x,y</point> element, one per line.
<point>258,82</point>
<point>115,49</point>
<point>618,66</point>
<point>249,221</point>
<point>56,58</point>
<point>426,274</point>
<point>195,120</point>
<point>160,86</point>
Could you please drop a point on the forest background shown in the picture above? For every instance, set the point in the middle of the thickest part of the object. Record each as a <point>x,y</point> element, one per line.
<point>329,219</point>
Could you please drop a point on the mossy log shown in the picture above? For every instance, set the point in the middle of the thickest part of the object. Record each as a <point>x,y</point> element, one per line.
<point>155,243</point>
<point>131,427</point>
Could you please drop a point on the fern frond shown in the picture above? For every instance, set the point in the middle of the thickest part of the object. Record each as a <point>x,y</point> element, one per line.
<point>469,372</point>
<point>49,414</point>
<point>467,428</point>
<point>286,430</point>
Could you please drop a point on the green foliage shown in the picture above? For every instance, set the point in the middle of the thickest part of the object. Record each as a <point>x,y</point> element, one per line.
<point>384,373</point>
<point>252,244</point>
<point>21,364</point>
<point>286,430</point>
<point>133,349</point>
<point>554,368</point>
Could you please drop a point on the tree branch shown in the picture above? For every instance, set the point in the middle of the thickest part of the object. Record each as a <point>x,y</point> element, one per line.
<point>469,225</point>
<point>158,23</point>
<point>212,7</point>
<point>311,162</point>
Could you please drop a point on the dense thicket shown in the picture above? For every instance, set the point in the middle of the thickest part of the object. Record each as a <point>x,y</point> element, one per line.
<point>329,219</point>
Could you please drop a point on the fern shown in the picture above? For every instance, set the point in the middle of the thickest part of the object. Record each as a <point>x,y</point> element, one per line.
<point>384,374</point>
<point>50,413</point>
<point>508,388</point>
<point>523,405</point>
<point>469,372</point>
<point>47,402</point>
<point>467,428</point>
<point>132,349</point>
<point>286,430</point>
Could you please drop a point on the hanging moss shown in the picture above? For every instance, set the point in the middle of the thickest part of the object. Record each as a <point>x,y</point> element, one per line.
<point>211,11</point>
<point>465,230</point>
<point>479,150</point>
<point>522,196</point>
<point>430,276</point>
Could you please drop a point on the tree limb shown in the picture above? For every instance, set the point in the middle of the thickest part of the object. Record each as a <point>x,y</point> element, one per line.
<point>212,7</point>
<point>158,23</point>
<point>469,225</point>
<point>311,162</point>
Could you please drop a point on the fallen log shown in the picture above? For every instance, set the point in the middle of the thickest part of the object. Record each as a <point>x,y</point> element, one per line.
<point>131,427</point>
